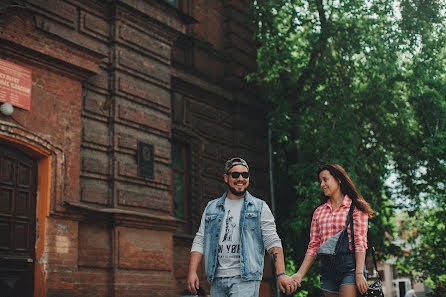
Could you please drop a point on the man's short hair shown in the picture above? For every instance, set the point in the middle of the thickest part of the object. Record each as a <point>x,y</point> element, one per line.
<point>234,162</point>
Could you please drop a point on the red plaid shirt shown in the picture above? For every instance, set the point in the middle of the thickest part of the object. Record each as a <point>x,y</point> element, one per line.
<point>326,223</point>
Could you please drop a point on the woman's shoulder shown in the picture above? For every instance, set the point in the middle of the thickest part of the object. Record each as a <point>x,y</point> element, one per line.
<point>360,213</point>
<point>319,209</point>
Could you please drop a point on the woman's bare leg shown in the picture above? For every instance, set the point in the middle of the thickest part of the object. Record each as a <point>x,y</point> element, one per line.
<point>328,294</point>
<point>347,291</point>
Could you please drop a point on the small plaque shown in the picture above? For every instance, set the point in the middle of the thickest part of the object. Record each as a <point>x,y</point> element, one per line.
<point>145,160</point>
<point>15,84</point>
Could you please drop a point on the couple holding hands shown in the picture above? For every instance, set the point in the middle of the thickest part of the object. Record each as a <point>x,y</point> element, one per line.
<point>237,228</point>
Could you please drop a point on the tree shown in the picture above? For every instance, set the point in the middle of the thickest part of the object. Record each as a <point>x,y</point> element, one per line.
<point>358,83</point>
<point>424,234</point>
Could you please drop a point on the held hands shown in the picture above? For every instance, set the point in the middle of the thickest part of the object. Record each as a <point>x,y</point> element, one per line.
<point>193,283</point>
<point>287,284</point>
<point>361,283</point>
<point>297,277</point>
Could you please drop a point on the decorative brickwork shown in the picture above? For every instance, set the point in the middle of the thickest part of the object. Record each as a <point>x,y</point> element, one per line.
<point>105,76</point>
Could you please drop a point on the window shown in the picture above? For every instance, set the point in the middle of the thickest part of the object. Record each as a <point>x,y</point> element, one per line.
<point>180,178</point>
<point>183,5</point>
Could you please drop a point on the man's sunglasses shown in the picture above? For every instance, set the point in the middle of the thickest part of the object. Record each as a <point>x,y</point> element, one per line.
<point>237,174</point>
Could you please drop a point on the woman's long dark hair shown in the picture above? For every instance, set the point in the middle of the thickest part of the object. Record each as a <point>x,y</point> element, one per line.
<point>347,187</point>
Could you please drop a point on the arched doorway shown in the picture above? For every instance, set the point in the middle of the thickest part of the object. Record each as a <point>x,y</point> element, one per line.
<point>18,184</point>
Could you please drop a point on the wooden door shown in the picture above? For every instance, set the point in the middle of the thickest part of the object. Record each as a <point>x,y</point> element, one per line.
<point>18,183</point>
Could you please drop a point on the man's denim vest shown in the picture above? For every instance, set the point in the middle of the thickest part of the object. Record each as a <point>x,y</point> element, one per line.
<point>252,251</point>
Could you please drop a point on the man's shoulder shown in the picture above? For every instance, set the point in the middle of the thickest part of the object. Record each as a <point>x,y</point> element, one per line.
<point>214,202</point>
<point>256,201</point>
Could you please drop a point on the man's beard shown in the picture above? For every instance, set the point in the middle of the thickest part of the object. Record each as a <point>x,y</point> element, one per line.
<point>235,192</point>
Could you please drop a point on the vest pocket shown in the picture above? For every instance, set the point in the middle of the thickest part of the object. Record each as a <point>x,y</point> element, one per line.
<point>250,220</point>
<point>210,218</point>
<point>210,226</point>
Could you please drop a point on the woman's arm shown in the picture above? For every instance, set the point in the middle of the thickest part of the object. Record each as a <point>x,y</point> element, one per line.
<point>315,239</point>
<point>361,225</point>
<point>361,282</point>
<point>306,264</point>
<point>360,222</point>
<point>311,250</point>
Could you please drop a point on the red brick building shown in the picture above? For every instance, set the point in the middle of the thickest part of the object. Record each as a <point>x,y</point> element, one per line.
<point>135,106</point>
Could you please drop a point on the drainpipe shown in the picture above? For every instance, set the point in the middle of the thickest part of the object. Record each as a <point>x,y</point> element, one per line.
<point>270,167</point>
<point>271,193</point>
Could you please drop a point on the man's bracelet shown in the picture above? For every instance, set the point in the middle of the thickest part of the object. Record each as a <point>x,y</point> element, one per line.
<point>279,274</point>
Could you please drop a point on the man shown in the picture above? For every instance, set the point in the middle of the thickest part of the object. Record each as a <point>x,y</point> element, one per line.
<point>234,232</point>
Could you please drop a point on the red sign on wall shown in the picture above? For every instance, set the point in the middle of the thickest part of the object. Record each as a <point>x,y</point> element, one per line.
<point>15,84</point>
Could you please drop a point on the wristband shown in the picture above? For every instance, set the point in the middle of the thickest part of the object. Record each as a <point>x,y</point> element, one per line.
<point>279,274</point>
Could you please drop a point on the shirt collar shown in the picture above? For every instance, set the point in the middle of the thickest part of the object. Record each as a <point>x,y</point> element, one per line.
<point>346,202</point>
<point>248,199</point>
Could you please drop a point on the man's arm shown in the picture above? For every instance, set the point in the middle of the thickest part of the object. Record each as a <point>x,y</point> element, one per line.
<point>196,255</point>
<point>286,284</point>
<point>278,260</point>
<point>273,245</point>
<point>193,283</point>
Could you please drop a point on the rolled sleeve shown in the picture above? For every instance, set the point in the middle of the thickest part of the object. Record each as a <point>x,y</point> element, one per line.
<point>360,223</point>
<point>315,240</point>
<point>198,243</point>
<point>268,227</point>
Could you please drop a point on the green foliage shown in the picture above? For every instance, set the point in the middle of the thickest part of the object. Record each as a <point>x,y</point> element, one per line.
<point>424,233</point>
<point>361,84</point>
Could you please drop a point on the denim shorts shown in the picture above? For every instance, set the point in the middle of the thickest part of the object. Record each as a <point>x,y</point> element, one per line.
<point>342,273</point>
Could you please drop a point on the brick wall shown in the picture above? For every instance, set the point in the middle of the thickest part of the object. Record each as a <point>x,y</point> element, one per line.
<point>110,74</point>
<point>215,111</point>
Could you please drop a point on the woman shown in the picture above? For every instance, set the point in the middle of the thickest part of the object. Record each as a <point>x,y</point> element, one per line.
<point>344,277</point>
